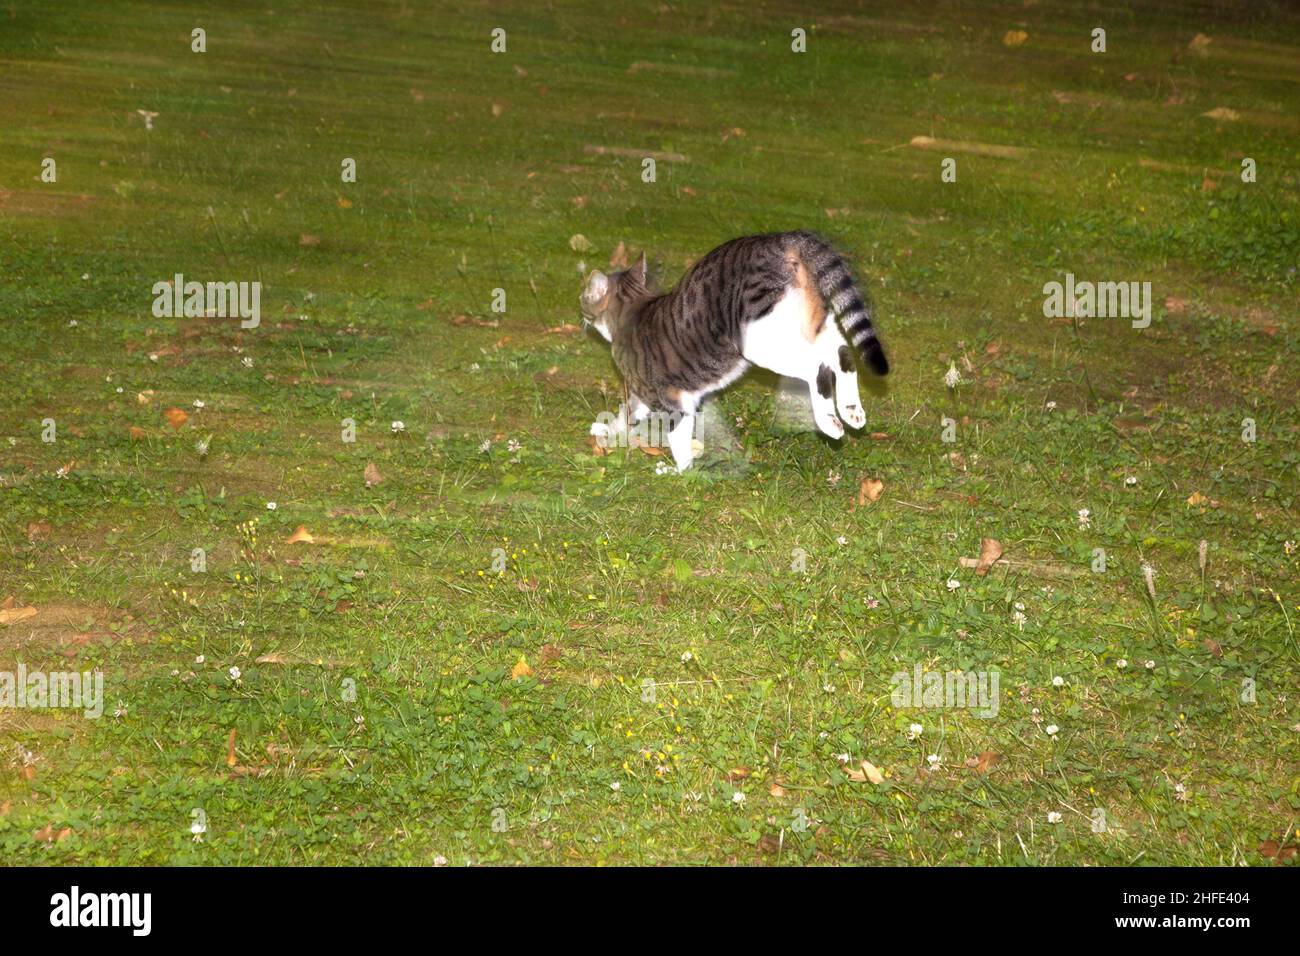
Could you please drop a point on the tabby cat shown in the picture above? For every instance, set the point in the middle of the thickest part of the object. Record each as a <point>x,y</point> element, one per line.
<point>769,300</point>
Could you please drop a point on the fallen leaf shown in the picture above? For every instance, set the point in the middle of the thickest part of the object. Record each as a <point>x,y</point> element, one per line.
<point>231,760</point>
<point>498,107</point>
<point>1200,44</point>
<point>568,328</point>
<point>1276,852</point>
<point>1014,37</point>
<point>11,615</point>
<point>1222,113</point>
<point>176,417</point>
<point>776,790</point>
<point>301,535</point>
<point>1174,305</point>
<point>145,397</point>
<point>38,531</point>
<point>618,258</point>
<point>597,449</point>
<point>521,670</point>
<point>990,551</point>
<point>580,243</point>
<point>1196,499</point>
<point>870,490</point>
<point>551,652</point>
<point>1213,646</point>
<point>738,773</point>
<point>869,772</point>
<point>372,475</point>
<point>984,761</point>
<point>137,433</point>
<point>344,202</point>
<point>307,239</point>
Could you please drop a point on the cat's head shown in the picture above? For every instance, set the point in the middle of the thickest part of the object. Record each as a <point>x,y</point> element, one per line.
<point>607,298</point>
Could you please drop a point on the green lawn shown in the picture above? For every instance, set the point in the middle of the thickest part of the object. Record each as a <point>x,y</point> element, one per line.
<point>687,694</point>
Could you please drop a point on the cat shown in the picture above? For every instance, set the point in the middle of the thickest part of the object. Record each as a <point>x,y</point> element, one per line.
<point>770,300</point>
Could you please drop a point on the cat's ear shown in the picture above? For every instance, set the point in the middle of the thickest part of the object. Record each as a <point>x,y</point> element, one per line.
<point>597,286</point>
<point>638,270</point>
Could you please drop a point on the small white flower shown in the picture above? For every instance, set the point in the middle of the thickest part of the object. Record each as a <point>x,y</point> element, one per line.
<point>952,584</point>
<point>1053,730</point>
<point>842,758</point>
<point>1085,518</point>
<point>828,688</point>
<point>1121,663</point>
<point>198,403</point>
<point>1058,681</point>
<point>486,446</point>
<point>616,786</point>
<point>120,711</point>
<point>73,324</point>
<point>663,468</point>
<point>359,719</point>
<point>952,377</point>
<point>933,761</point>
<point>832,478</point>
<point>914,731</point>
<point>841,540</point>
<point>1019,620</point>
<point>687,657</point>
<point>738,798</point>
<point>153,356</point>
<point>1150,665</point>
<point>198,828</point>
<point>474,367</point>
<point>439,860</point>
<point>246,361</point>
<point>1131,480</point>
<point>398,426</point>
<point>514,446</point>
<point>270,506</point>
<point>235,673</point>
<point>119,390</point>
<point>1054,816</point>
<point>200,659</point>
<point>1051,406</point>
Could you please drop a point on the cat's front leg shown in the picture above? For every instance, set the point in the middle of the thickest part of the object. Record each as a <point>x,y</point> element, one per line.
<point>680,438</point>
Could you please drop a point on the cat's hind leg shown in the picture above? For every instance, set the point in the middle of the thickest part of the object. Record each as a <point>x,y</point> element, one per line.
<point>777,342</point>
<point>836,354</point>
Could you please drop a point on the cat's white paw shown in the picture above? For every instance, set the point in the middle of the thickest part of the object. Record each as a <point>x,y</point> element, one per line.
<point>829,424</point>
<point>854,415</point>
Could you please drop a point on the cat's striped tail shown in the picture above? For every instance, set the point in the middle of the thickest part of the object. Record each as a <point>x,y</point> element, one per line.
<point>843,298</point>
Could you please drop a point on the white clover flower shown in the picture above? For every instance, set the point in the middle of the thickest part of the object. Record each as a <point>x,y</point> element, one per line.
<point>1085,518</point>
<point>933,761</point>
<point>952,377</point>
<point>914,731</point>
<point>398,426</point>
<point>616,786</point>
<point>246,361</point>
<point>832,478</point>
<point>1019,620</point>
<point>200,659</point>
<point>738,798</point>
<point>1058,681</point>
<point>828,688</point>
<point>235,673</point>
<point>514,446</point>
<point>1121,663</point>
<point>486,446</point>
<point>1052,730</point>
<point>271,506</point>
<point>842,758</point>
<point>1051,406</point>
<point>952,584</point>
<point>1150,665</point>
<point>1131,480</point>
<point>1054,816</point>
<point>119,390</point>
<point>841,540</point>
<point>439,860</point>
<point>687,657</point>
<point>663,468</point>
<point>198,403</point>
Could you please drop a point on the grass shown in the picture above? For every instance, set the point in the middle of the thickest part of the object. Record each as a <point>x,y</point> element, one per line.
<point>381,714</point>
